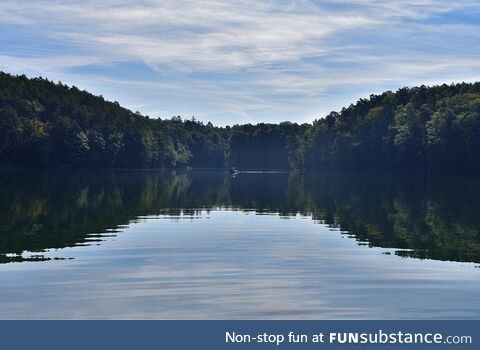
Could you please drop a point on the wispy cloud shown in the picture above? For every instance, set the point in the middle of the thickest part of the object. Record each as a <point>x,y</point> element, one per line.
<point>245,60</point>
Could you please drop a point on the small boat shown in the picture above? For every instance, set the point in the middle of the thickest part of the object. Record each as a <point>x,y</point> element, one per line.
<point>234,171</point>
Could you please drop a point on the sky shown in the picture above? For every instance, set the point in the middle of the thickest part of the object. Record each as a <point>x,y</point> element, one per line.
<point>242,61</point>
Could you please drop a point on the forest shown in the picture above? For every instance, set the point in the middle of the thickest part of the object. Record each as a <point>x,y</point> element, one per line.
<point>424,129</point>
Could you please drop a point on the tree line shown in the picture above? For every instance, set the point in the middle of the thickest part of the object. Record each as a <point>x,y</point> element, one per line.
<point>49,124</point>
<point>413,129</point>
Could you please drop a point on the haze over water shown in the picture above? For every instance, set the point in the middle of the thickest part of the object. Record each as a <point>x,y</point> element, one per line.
<point>205,245</point>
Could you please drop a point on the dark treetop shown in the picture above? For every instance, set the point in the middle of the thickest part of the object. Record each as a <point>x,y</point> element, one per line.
<point>413,129</point>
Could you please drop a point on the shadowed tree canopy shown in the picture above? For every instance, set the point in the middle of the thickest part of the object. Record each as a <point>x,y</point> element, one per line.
<point>49,124</point>
<point>413,129</point>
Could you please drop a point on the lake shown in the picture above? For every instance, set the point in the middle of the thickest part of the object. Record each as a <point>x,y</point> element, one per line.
<point>208,245</point>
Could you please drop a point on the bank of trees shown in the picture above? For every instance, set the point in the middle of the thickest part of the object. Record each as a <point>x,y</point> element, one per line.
<point>413,129</point>
<point>263,146</point>
<point>47,124</point>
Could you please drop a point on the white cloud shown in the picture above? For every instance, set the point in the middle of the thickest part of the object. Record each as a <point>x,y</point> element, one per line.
<point>290,58</point>
<point>197,35</point>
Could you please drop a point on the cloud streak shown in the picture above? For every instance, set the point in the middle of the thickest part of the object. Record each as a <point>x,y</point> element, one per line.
<point>241,61</point>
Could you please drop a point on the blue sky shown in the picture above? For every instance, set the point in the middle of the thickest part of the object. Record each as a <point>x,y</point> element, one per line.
<point>241,61</point>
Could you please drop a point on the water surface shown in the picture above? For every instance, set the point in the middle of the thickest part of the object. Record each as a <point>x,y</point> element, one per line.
<point>205,245</point>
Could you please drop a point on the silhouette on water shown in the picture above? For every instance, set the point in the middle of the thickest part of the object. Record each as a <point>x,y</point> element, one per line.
<point>434,218</point>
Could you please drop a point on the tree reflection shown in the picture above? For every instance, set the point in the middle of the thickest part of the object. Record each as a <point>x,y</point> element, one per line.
<point>426,217</point>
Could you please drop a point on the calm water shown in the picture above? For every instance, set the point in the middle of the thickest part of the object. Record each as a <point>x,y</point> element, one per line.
<point>205,245</point>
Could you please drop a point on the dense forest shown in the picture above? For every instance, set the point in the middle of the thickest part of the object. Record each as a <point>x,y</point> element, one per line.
<point>413,129</point>
<point>49,124</point>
